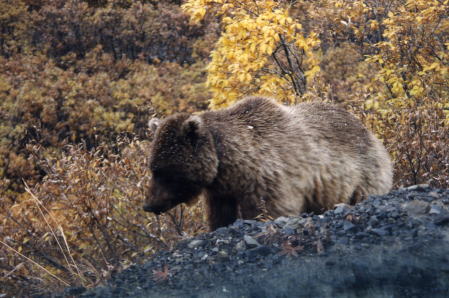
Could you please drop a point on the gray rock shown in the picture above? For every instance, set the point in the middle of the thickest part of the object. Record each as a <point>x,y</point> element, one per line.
<point>294,223</point>
<point>373,221</point>
<point>349,226</point>
<point>418,187</point>
<point>288,231</point>
<point>416,207</point>
<point>281,221</point>
<point>434,209</point>
<point>342,209</point>
<point>240,245</point>
<point>434,195</point>
<point>222,254</point>
<point>260,250</point>
<point>195,243</point>
<point>379,232</point>
<point>250,241</point>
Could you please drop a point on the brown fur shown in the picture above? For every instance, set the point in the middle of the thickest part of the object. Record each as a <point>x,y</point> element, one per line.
<point>307,157</point>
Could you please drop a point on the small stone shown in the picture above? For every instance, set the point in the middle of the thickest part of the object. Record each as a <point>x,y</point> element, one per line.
<point>221,231</point>
<point>294,223</point>
<point>361,235</point>
<point>281,221</point>
<point>434,195</point>
<point>342,240</point>
<point>416,207</point>
<point>288,231</point>
<point>222,241</point>
<point>379,232</point>
<point>261,250</point>
<point>341,209</point>
<point>195,243</point>
<point>373,221</point>
<point>240,245</point>
<point>238,224</point>
<point>435,210</point>
<point>394,214</point>
<point>377,203</point>
<point>250,241</point>
<point>250,222</point>
<point>349,226</point>
<point>418,187</point>
<point>222,254</point>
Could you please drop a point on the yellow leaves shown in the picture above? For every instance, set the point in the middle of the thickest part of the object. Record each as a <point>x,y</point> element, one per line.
<point>253,32</point>
<point>435,66</point>
<point>396,87</point>
<point>312,72</point>
<point>371,104</point>
<point>195,9</point>
<point>266,48</point>
<point>414,58</point>
<point>244,77</point>
<point>416,88</point>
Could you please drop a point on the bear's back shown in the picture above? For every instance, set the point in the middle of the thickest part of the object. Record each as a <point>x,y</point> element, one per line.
<point>263,118</point>
<point>332,125</point>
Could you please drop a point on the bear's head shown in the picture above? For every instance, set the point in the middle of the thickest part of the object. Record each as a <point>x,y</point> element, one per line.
<point>183,162</point>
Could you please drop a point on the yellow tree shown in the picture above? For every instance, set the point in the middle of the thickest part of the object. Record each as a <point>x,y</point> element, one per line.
<point>413,107</point>
<point>414,57</point>
<point>262,50</point>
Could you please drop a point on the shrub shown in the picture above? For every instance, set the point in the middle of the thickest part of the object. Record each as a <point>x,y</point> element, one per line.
<point>93,102</point>
<point>85,220</point>
<point>154,32</point>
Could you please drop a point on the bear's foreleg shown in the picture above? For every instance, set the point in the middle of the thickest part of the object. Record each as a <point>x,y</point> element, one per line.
<point>222,211</point>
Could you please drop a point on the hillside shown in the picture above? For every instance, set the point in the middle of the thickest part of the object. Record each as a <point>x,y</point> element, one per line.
<point>392,245</point>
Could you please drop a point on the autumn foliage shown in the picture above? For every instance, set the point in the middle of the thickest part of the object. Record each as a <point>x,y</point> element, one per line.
<point>79,81</point>
<point>386,60</point>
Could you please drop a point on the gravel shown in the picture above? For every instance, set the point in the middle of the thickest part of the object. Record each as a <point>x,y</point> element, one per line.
<point>394,245</point>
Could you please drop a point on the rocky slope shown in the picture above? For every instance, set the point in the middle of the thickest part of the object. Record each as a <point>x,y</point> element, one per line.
<point>395,245</point>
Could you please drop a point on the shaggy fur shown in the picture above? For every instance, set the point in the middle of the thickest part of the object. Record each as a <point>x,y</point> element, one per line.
<point>259,155</point>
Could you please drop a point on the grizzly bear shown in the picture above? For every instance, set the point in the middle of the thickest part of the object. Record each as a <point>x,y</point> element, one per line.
<point>260,156</point>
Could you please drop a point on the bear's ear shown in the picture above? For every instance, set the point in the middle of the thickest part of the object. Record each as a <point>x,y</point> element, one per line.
<point>192,127</point>
<point>153,124</point>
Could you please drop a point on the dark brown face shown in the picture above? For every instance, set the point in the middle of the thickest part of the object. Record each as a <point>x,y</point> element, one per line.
<point>168,190</point>
<point>183,162</point>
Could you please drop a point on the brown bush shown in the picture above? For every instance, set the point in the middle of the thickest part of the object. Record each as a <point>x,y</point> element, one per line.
<point>85,221</point>
<point>93,102</point>
<point>154,32</point>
